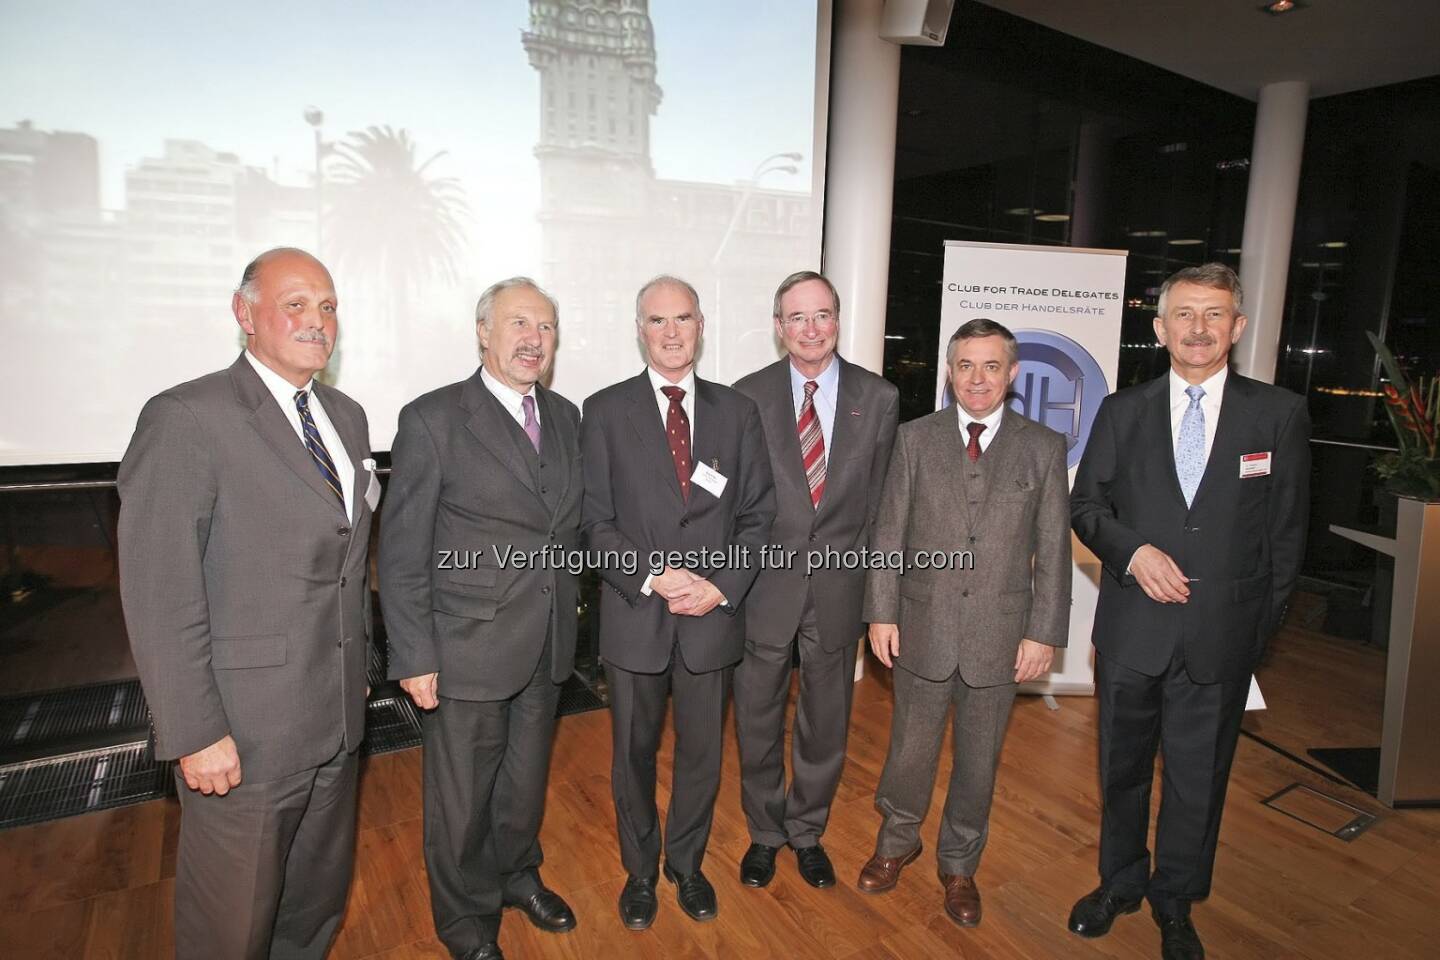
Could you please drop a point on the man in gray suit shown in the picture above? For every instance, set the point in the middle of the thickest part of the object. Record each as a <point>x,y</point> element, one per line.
<point>830,426</point>
<point>676,474</point>
<point>246,499</point>
<point>964,627</point>
<point>477,582</point>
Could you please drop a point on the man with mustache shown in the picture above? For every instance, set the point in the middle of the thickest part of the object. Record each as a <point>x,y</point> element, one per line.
<point>1194,493</point>
<point>830,426</point>
<point>246,499</point>
<point>488,468</point>
<point>675,473</point>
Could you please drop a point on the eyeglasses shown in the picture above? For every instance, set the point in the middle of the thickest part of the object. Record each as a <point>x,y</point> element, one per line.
<point>821,318</point>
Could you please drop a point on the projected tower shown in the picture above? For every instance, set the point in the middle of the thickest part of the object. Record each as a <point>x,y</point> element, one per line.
<point>608,224</point>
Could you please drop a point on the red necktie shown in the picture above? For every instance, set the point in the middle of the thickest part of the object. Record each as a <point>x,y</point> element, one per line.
<point>812,444</point>
<point>973,447</point>
<point>677,434</point>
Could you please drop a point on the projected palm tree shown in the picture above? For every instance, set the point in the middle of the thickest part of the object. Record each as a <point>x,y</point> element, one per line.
<point>391,220</point>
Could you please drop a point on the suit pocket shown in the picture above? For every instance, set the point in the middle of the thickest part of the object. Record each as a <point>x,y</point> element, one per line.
<point>240,653</point>
<point>458,604</point>
<point>912,590</point>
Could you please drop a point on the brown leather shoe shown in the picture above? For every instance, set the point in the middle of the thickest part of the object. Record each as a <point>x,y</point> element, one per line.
<point>882,873</point>
<point>962,899</point>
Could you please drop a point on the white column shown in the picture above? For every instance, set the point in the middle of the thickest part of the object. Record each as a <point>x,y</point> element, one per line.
<point>860,175</point>
<point>1270,221</point>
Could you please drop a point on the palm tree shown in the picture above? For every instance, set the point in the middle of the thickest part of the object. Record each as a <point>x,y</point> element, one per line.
<point>390,220</point>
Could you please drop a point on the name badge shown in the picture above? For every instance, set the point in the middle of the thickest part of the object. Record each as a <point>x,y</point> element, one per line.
<point>711,480</point>
<point>1255,465</point>
<point>372,492</point>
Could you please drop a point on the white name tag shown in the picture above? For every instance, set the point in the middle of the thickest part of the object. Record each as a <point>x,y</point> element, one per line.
<point>372,492</point>
<point>1254,465</point>
<point>709,479</point>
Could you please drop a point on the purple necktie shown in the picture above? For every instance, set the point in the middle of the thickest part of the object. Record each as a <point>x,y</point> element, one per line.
<point>532,425</point>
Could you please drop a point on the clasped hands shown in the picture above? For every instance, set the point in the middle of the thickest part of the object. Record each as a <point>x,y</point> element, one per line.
<point>1031,659</point>
<point>688,594</point>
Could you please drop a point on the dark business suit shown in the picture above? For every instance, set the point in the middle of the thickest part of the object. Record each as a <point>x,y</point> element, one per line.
<point>246,599</point>
<point>633,503</point>
<point>819,611</point>
<point>961,625</point>
<point>466,487</point>
<point>1176,675</point>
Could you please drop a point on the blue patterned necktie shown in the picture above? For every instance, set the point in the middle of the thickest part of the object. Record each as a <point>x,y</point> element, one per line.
<point>316,446</point>
<point>1190,445</point>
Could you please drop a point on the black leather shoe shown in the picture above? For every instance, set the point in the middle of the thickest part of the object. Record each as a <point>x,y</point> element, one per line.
<point>757,867</point>
<point>694,894</point>
<point>1178,939</point>
<point>547,911</point>
<point>815,866</point>
<point>1093,913</point>
<point>638,902</point>
<point>490,951</point>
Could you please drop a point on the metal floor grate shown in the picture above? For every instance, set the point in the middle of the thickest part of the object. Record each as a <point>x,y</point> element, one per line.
<point>38,790</point>
<point>40,725</point>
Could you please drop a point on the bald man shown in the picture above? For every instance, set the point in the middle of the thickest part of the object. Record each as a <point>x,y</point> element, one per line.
<point>246,498</point>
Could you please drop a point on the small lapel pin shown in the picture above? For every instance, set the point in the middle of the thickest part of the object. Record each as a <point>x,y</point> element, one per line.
<point>715,463</point>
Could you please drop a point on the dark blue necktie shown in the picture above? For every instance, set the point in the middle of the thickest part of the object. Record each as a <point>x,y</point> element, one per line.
<point>316,446</point>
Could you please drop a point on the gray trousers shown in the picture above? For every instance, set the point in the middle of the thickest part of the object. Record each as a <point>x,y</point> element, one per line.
<point>263,872</point>
<point>486,764</point>
<point>917,729</point>
<point>797,816</point>
<point>637,715</point>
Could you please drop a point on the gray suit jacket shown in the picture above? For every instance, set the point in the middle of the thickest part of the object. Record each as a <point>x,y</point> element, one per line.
<point>467,496</point>
<point>1011,509</point>
<point>633,505</point>
<point>244,583</point>
<point>866,413</point>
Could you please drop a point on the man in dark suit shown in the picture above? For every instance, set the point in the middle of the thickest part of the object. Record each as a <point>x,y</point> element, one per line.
<point>246,498</point>
<point>963,628</point>
<point>1193,492</point>
<point>830,426</point>
<point>677,475</point>
<point>486,472</point>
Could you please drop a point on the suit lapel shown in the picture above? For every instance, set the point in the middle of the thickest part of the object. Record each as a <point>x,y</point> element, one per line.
<point>781,407</point>
<point>844,431</point>
<point>486,424</point>
<point>644,418</point>
<point>999,458</point>
<point>356,443</point>
<point>1234,414</point>
<point>1157,437</point>
<point>270,422</point>
<point>706,427</point>
<point>556,438</point>
<point>947,444</point>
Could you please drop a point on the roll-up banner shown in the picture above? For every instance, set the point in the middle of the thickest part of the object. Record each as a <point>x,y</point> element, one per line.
<point>1064,306</point>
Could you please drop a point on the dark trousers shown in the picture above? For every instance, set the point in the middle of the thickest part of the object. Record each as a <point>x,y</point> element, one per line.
<point>917,728</point>
<point>637,714</point>
<point>1195,725</point>
<point>817,747</point>
<point>486,764</point>
<point>264,870</point>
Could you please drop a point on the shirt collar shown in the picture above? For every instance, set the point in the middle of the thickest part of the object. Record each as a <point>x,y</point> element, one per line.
<point>1213,386</point>
<point>992,422</point>
<point>657,381</point>
<point>511,398</point>
<point>825,383</point>
<point>283,390</point>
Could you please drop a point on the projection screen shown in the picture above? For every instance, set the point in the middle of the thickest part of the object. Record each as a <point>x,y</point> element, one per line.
<point>424,150</point>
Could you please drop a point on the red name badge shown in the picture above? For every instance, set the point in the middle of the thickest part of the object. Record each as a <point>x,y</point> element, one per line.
<point>1254,465</point>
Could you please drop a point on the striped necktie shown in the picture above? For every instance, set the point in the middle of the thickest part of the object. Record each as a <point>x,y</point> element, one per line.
<point>316,446</point>
<point>812,444</point>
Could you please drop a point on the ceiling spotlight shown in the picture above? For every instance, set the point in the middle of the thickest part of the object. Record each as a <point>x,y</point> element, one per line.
<point>1278,7</point>
<point>1052,217</point>
<point>1021,211</point>
<point>1335,245</point>
<point>1233,250</point>
<point>1185,242</point>
<point>1146,233</point>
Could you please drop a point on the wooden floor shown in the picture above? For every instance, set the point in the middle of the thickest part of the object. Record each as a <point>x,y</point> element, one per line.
<point>101,885</point>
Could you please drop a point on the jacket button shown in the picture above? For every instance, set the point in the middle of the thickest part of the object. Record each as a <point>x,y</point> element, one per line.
<point>343,531</point>
<point>964,593</point>
<point>544,490</point>
<point>544,589</point>
<point>812,538</point>
<point>972,539</point>
<point>342,581</point>
<point>684,521</point>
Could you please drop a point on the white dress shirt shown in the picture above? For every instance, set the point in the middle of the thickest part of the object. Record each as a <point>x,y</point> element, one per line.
<point>662,402</point>
<point>512,400</point>
<point>284,393</point>
<point>992,424</point>
<point>827,394</point>
<point>1214,389</point>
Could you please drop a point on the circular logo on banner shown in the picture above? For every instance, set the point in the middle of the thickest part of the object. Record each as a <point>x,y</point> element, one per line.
<point>1059,385</point>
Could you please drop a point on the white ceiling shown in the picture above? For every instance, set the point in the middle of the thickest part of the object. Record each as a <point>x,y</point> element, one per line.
<point>1337,45</point>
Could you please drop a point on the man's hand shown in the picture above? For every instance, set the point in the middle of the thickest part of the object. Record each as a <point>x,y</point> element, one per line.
<point>1032,659</point>
<point>1158,575</point>
<point>214,769</point>
<point>670,581</point>
<point>696,598</point>
<point>885,641</point>
<point>422,690</point>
